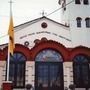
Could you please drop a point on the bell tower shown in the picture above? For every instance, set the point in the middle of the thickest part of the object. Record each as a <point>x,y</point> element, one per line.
<point>76,15</point>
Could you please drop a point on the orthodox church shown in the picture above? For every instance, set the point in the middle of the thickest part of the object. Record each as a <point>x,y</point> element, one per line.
<point>51,55</point>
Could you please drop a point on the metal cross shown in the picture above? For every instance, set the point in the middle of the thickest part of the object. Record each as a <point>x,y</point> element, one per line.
<point>43,13</point>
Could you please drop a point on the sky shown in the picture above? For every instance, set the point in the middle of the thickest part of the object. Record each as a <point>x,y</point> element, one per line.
<point>23,11</point>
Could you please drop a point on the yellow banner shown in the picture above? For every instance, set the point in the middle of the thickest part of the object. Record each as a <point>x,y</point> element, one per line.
<point>11,36</point>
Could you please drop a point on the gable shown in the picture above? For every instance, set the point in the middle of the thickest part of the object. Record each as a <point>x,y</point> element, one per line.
<point>42,27</point>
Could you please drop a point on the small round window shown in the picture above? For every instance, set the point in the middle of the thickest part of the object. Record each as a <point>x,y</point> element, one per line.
<point>44,25</point>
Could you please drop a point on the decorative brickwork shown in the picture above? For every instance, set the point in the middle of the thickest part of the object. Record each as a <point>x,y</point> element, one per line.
<point>67,53</point>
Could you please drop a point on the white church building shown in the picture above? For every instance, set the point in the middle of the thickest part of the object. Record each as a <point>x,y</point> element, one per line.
<point>51,54</point>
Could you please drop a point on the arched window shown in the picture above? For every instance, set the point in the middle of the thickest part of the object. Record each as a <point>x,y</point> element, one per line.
<point>85,2</point>
<point>17,70</point>
<point>79,21</point>
<point>81,71</point>
<point>87,22</point>
<point>48,55</point>
<point>77,2</point>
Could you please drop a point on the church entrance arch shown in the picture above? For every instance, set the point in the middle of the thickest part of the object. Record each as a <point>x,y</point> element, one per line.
<point>48,70</point>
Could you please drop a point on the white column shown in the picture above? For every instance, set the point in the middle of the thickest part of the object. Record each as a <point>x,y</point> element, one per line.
<point>30,72</point>
<point>68,76</point>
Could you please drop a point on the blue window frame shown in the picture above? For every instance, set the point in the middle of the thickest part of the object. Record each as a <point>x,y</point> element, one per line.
<point>81,71</point>
<point>17,70</point>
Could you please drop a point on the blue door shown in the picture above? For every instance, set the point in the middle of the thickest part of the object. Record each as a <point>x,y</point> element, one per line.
<point>49,76</point>
<point>49,70</point>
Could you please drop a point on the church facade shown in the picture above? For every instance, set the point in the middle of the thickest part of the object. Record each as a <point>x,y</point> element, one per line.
<point>51,55</point>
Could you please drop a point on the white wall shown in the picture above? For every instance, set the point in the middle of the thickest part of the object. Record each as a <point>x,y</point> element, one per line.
<point>54,31</point>
<point>80,36</point>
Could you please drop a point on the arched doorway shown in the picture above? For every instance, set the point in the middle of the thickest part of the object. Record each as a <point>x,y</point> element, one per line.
<point>48,70</point>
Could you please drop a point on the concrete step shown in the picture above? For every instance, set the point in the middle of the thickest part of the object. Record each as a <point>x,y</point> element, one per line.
<point>19,89</point>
